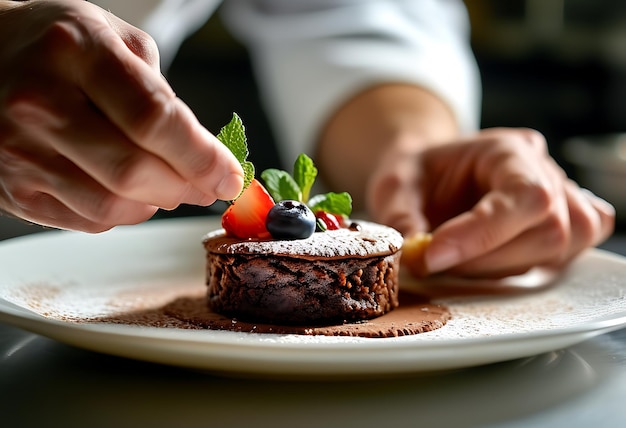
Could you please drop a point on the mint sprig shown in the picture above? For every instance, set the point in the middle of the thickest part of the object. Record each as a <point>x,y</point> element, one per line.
<point>282,186</point>
<point>233,136</point>
<point>332,203</point>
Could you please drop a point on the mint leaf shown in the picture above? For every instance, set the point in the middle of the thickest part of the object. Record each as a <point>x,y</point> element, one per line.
<point>332,203</point>
<point>304,173</point>
<point>233,136</point>
<point>248,174</point>
<point>281,185</point>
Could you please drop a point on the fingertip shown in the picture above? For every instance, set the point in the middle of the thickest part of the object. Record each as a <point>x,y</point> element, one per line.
<point>229,187</point>
<point>606,211</point>
<point>602,205</point>
<point>440,256</point>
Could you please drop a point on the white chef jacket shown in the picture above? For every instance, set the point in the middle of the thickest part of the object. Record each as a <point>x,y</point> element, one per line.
<point>310,56</point>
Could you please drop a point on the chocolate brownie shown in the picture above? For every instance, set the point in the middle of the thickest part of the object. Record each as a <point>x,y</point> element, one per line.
<point>332,277</point>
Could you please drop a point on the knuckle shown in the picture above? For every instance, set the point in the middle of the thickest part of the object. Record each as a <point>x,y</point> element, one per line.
<point>534,139</point>
<point>534,197</point>
<point>143,45</point>
<point>27,107</point>
<point>146,102</point>
<point>489,238</point>
<point>60,41</point>
<point>125,174</point>
<point>63,35</point>
<point>24,198</point>
<point>17,165</point>
<point>589,228</point>
<point>152,114</point>
<point>532,135</point>
<point>161,115</point>
<point>201,166</point>
<point>507,139</point>
<point>558,234</point>
<point>587,232</point>
<point>105,209</point>
<point>132,177</point>
<point>99,207</point>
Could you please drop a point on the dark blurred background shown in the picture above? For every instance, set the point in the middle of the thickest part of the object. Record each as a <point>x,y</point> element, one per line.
<point>555,65</point>
<point>558,66</point>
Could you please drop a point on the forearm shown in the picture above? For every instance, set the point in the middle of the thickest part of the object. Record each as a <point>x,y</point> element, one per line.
<point>393,117</point>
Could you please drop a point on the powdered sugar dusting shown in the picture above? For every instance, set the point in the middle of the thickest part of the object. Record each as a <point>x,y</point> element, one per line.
<point>74,302</point>
<point>372,239</point>
<point>580,297</point>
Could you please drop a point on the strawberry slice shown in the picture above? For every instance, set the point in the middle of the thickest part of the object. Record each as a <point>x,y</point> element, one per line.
<point>245,218</point>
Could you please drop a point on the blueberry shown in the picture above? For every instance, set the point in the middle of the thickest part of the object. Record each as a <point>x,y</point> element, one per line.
<point>290,220</point>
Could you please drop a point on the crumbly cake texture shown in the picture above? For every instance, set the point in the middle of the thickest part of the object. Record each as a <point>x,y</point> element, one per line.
<point>333,277</point>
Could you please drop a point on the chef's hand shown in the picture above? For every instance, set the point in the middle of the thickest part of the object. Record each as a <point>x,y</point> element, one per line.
<point>496,202</point>
<point>91,135</point>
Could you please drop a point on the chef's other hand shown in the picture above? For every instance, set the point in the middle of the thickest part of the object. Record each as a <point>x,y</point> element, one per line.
<point>496,202</point>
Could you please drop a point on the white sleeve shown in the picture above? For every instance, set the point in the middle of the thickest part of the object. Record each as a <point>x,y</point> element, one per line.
<point>311,56</point>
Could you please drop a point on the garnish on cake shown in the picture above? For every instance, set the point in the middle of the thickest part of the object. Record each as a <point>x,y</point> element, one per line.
<point>286,257</point>
<point>283,209</point>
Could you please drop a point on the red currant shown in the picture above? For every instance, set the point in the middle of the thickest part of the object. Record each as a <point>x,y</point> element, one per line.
<point>332,221</point>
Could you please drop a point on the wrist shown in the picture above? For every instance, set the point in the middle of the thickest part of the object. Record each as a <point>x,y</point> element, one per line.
<point>391,118</point>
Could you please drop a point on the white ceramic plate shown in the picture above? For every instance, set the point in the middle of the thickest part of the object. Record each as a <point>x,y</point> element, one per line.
<point>47,280</point>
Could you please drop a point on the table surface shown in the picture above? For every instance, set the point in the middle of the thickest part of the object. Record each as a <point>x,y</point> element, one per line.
<point>46,382</point>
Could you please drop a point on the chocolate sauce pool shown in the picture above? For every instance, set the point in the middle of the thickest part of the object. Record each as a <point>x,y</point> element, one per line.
<point>414,315</point>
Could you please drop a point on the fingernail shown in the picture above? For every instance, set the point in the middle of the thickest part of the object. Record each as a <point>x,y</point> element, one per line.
<point>441,256</point>
<point>230,187</point>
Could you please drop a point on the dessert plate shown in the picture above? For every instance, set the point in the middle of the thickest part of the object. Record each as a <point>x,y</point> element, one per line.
<point>49,281</point>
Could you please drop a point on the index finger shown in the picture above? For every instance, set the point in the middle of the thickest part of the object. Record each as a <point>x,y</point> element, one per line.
<point>140,102</point>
